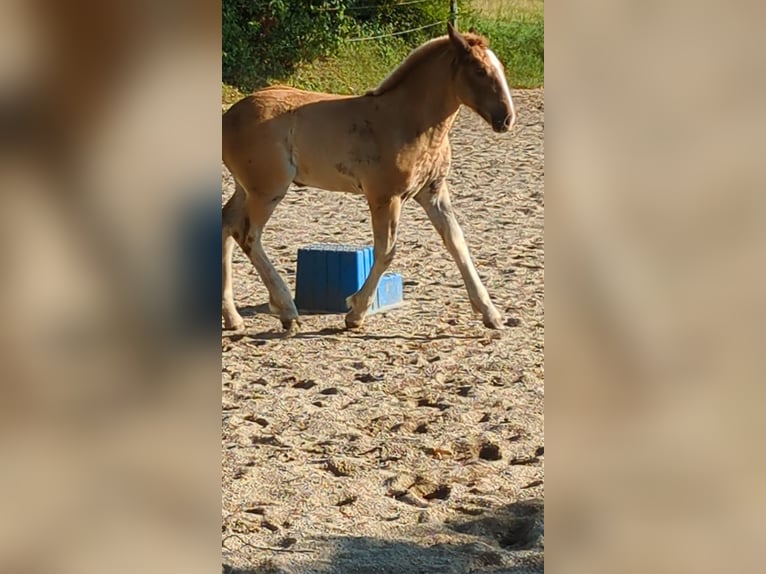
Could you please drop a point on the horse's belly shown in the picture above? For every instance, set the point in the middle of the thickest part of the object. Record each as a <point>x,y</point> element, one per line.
<point>327,179</point>
<point>325,171</point>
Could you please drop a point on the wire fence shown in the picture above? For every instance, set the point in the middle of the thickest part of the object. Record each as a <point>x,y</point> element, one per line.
<point>452,18</point>
<point>367,7</point>
<point>394,34</point>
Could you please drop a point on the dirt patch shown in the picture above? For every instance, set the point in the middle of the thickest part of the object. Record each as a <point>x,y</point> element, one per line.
<point>416,444</point>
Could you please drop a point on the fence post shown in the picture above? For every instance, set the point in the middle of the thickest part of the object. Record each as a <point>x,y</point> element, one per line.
<point>453,13</point>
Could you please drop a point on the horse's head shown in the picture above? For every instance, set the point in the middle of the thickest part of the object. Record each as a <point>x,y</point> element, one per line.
<point>480,81</point>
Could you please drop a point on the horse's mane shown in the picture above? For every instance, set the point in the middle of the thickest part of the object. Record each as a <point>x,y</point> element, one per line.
<point>418,55</point>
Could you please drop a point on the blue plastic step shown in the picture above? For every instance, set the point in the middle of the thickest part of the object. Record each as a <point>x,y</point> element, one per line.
<point>390,293</point>
<point>328,273</point>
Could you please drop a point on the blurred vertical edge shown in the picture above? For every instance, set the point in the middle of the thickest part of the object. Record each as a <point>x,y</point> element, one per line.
<point>109,262</point>
<point>654,286</point>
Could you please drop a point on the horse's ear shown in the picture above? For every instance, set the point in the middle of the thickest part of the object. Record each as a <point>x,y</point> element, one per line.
<point>457,39</point>
<point>472,30</point>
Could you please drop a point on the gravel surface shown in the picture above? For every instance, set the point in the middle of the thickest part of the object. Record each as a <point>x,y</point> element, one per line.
<point>416,444</point>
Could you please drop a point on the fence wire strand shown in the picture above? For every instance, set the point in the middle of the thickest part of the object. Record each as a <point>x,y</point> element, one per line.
<point>369,6</point>
<point>401,33</point>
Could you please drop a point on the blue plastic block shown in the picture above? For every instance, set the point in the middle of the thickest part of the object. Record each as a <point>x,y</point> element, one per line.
<point>328,273</point>
<point>390,293</point>
<point>310,280</point>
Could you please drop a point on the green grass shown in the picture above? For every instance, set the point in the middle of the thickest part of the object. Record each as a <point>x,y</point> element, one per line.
<point>356,68</point>
<point>515,29</point>
<point>507,8</point>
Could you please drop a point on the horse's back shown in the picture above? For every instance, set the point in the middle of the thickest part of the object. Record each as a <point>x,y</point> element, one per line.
<point>269,129</point>
<point>258,132</point>
<point>268,104</point>
<point>264,115</point>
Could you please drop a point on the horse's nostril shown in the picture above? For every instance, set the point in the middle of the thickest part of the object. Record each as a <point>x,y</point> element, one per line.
<point>503,123</point>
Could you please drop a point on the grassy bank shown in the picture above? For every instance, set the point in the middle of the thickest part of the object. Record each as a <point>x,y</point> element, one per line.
<point>514,28</point>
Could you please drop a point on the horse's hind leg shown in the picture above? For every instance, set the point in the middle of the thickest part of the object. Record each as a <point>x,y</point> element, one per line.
<point>233,217</point>
<point>259,208</point>
<point>244,217</point>
<point>436,202</point>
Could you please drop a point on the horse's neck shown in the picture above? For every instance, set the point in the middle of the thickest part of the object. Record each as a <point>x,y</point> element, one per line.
<point>426,98</point>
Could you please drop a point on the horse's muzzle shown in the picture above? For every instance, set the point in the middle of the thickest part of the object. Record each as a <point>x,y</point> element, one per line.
<point>503,124</point>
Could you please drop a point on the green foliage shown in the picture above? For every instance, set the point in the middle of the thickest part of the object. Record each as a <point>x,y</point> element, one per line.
<point>305,43</point>
<point>266,40</point>
<point>374,17</point>
<point>353,69</point>
<point>519,42</point>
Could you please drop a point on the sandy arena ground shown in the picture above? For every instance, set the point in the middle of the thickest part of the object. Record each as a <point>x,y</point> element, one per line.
<point>416,444</point>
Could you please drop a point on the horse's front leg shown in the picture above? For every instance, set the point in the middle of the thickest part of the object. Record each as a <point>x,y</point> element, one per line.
<point>435,200</point>
<point>385,220</point>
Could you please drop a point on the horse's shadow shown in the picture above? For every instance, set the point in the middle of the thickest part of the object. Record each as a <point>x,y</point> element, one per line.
<point>507,540</point>
<point>277,334</point>
<point>339,332</point>
<point>253,310</point>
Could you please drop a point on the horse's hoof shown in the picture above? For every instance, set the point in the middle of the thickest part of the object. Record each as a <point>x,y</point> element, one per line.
<point>354,322</point>
<point>494,322</point>
<point>291,327</point>
<point>237,324</point>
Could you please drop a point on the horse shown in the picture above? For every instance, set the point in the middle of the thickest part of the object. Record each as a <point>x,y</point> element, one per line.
<point>390,145</point>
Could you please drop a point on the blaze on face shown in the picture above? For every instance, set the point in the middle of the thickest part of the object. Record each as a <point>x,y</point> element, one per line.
<point>481,83</point>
